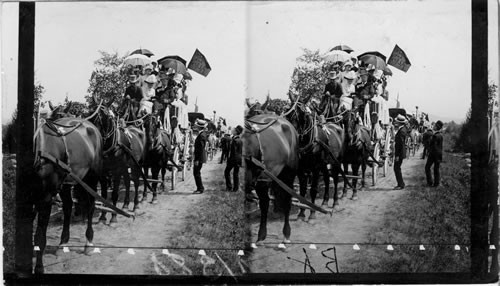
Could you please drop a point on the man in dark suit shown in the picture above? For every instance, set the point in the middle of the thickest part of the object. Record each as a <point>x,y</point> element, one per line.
<point>133,95</point>
<point>426,139</point>
<point>331,98</point>
<point>399,149</point>
<point>435,155</point>
<point>200,153</point>
<point>234,160</point>
<point>225,143</point>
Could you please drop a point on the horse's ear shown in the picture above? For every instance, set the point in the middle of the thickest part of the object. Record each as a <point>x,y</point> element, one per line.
<point>68,107</point>
<point>247,101</point>
<point>264,106</point>
<point>51,106</point>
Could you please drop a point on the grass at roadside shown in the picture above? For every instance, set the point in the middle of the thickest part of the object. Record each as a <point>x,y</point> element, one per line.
<point>217,222</point>
<point>8,200</point>
<point>439,218</point>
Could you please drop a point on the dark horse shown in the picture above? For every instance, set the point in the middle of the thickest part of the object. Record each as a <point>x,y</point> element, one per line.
<point>76,143</point>
<point>158,152</point>
<point>320,149</point>
<point>357,150</point>
<point>272,140</point>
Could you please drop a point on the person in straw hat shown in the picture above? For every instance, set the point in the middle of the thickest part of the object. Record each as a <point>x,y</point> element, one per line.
<point>399,148</point>
<point>349,91</point>
<point>200,153</point>
<point>331,98</point>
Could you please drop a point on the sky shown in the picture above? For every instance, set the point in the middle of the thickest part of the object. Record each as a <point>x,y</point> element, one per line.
<point>253,46</point>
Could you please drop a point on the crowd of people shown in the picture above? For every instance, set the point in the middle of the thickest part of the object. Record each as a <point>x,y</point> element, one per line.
<point>353,85</point>
<point>161,91</point>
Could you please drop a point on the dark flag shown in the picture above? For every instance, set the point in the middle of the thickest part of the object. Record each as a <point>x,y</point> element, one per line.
<point>399,60</point>
<point>199,64</point>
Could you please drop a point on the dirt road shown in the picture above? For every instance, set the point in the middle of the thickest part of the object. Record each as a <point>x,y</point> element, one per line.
<point>351,225</point>
<point>154,226</point>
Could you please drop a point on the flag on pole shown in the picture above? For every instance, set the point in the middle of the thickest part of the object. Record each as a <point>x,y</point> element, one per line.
<point>399,60</point>
<point>199,64</point>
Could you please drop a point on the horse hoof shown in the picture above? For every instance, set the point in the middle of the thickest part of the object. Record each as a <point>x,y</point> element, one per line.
<point>259,243</point>
<point>354,198</point>
<point>87,249</point>
<point>312,216</point>
<point>324,203</point>
<point>125,206</point>
<point>287,241</point>
<point>154,201</point>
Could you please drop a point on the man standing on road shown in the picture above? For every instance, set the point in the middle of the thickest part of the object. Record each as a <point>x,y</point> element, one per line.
<point>234,160</point>
<point>426,139</point>
<point>225,143</point>
<point>200,154</point>
<point>435,155</point>
<point>399,149</point>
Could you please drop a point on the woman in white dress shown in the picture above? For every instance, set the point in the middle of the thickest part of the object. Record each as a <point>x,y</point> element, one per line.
<point>148,92</point>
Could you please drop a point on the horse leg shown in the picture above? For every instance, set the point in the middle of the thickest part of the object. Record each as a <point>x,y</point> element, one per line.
<point>90,206</point>
<point>145,190</point>
<point>104,193</point>
<point>314,190</point>
<point>346,181</point>
<point>126,182</point>
<point>163,172</point>
<point>363,172</point>
<point>114,195</point>
<point>326,181</point>
<point>303,191</point>
<point>287,205</point>
<point>261,189</point>
<point>154,173</point>
<point>355,169</point>
<point>43,209</point>
<point>67,208</point>
<point>135,176</point>
<point>335,175</point>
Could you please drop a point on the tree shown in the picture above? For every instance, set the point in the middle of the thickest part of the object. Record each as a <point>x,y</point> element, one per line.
<point>108,81</point>
<point>278,105</point>
<point>76,108</point>
<point>10,129</point>
<point>308,77</point>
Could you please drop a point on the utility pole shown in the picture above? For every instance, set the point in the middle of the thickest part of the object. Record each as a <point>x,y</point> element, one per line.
<point>196,105</point>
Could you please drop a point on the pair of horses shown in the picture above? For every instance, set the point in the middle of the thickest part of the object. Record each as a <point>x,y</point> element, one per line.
<point>298,144</point>
<point>89,150</point>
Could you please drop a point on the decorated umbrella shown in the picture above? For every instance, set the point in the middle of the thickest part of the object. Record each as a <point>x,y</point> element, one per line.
<point>173,58</point>
<point>145,52</point>
<point>336,56</point>
<point>387,71</point>
<point>374,60</point>
<point>344,48</point>
<point>174,62</point>
<point>137,60</point>
<point>374,53</point>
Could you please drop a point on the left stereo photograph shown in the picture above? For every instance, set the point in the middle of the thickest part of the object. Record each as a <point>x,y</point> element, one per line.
<point>130,138</point>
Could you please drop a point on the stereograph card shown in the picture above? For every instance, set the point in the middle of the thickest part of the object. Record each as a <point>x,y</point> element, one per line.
<point>250,142</point>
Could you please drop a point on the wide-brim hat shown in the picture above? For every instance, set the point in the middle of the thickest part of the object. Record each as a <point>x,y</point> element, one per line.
<point>239,129</point>
<point>400,119</point>
<point>151,79</point>
<point>200,123</point>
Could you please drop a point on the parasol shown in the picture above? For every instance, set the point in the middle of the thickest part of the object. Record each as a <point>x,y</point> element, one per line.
<point>175,62</point>
<point>374,53</point>
<point>136,60</point>
<point>336,56</point>
<point>344,48</point>
<point>374,60</point>
<point>145,52</point>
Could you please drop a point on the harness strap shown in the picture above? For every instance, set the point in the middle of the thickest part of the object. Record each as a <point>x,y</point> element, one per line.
<point>138,165</point>
<point>287,188</point>
<point>66,168</point>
